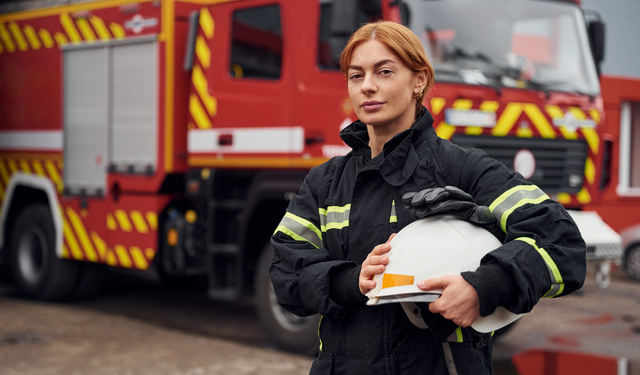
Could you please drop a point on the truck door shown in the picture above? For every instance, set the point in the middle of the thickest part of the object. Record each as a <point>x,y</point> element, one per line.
<point>245,64</point>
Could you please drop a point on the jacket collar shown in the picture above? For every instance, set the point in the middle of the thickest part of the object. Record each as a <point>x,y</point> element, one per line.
<point>400,156</point>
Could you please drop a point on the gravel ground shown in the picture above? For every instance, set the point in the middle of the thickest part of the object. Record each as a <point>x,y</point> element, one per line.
<point>41,339</point>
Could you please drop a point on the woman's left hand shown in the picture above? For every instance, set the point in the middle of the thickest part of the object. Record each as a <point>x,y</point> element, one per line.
<point>459,301</point>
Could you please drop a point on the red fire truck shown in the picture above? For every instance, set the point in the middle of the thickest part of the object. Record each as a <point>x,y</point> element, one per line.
<point>170,135</point>
<point>618,197</point>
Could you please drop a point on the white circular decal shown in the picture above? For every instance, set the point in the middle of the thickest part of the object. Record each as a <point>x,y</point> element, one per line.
<point>136,24</point>
<point>524,163</point>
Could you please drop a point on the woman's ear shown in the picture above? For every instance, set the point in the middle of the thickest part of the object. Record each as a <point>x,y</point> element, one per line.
<point>421,80</point>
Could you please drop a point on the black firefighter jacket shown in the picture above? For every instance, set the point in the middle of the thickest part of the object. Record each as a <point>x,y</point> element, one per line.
<point>350,204</point>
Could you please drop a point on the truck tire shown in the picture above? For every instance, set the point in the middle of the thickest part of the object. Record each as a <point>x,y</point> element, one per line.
<point>286,330</point>
<point>632,261</point>
<point>37,271</point>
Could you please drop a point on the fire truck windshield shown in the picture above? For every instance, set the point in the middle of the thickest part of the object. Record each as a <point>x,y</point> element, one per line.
<point>540,45</point>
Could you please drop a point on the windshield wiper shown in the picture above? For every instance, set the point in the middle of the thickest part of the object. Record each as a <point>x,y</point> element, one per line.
<point>539,86</point>
<point>458,54</point>
<point>458,73</point>
<point>483,69</point>
<point>572,87</point>
<point>546,86</point>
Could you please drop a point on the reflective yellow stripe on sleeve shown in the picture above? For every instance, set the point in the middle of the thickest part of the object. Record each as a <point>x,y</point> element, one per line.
<point>300,229</point>
<point>514,198</point>
<point>557,284</point>
<point>334,217</point>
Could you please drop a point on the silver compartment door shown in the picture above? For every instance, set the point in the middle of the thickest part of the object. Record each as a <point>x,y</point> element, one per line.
<point>85,120</point>
<point>134,128</point>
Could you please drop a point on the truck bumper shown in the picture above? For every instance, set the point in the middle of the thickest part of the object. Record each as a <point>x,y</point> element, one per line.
<point>604,245</point>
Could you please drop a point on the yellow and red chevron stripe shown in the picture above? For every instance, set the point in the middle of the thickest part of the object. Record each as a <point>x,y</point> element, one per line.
<point>84,244</point>
<point>80,242</point>
<point>510,122</point>
<point>507,121</point>
<point>44,165</point>
<point>202,106</point>
<point>15,37</point>
<point>132,221</point>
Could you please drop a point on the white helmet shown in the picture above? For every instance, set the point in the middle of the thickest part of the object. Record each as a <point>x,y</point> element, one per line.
<point>433,247</point>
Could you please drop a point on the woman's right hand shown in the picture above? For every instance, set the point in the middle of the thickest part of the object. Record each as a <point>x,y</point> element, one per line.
<point>374,265</point>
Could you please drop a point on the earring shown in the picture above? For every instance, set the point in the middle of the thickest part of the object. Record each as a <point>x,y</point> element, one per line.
<point>417,95</point>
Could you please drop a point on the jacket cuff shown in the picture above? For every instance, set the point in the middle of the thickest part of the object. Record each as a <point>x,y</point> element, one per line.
<point>343,287</point>
<point>495,287</point>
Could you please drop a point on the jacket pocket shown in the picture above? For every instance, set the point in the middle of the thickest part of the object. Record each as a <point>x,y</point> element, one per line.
<point>421,359</point>
<point>323,365</point>
<point>430,359</point>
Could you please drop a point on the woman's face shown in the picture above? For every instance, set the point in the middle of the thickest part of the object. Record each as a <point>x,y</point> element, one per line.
<point>381,87</point>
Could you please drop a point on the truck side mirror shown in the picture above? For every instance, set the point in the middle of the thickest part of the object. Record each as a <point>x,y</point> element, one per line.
<point>596,40</point>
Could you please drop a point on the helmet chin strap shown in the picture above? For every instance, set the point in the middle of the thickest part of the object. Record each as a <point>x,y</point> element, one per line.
<point>414,314</point>
<point>448,359</point>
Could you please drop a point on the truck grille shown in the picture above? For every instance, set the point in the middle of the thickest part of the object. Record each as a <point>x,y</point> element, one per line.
<point>559,162</point>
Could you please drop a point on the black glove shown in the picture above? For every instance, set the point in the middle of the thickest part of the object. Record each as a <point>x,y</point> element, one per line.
<point>447,200</point>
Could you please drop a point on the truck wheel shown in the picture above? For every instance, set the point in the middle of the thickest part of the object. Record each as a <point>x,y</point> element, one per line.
<point>37,271</point>
<point>286,330</point>
<point>632,262</point>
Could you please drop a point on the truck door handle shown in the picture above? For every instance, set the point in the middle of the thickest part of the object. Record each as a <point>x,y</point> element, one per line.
<point>318,138</point>
<point>225,139</point>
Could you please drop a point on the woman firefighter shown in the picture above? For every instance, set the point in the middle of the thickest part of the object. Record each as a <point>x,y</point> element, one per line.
<point>334,237</point>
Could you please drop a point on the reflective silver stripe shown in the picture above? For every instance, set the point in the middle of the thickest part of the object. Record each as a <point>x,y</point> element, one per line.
<point>334,217</point>
<point>513,198</point>
<point>323,219</point>
<point>456,336</point>
<point>557,284</point>
<point>393,217</point>
<point>554,291</point>
<point>300,229</point>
